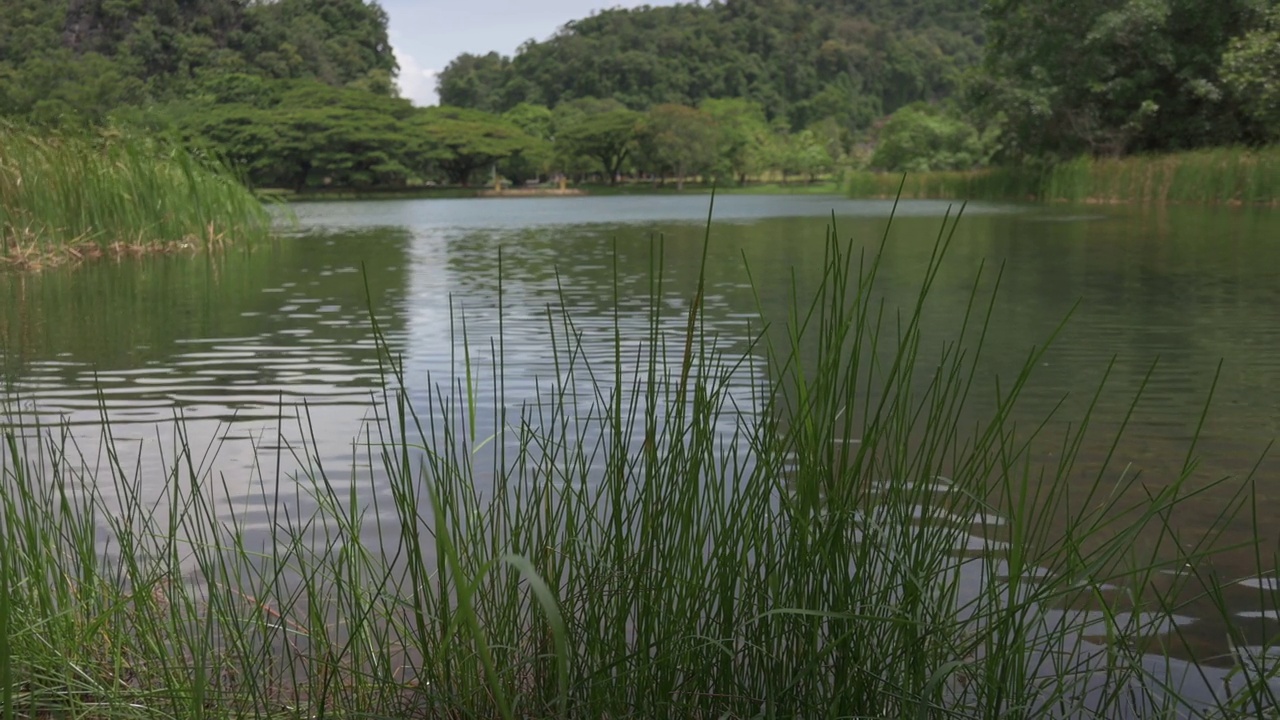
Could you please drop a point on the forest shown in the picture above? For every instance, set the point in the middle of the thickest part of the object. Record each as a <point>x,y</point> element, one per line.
<point>301,94</point>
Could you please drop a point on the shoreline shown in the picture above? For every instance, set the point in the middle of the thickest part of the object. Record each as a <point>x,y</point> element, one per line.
<point>827,187</point>
<point>35,256</point>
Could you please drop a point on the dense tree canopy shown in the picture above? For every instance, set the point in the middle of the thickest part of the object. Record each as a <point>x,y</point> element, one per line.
<point>460,141</point>
<point>920,137</point>
<point>1108,77</point>
<point>607,136</point>
<point>77,60</point>
<point>799,60</point>
<point>1251,73</point>
<point>679,140</point>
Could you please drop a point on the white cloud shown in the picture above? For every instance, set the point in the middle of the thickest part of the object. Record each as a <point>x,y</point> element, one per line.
<point>417,83</point>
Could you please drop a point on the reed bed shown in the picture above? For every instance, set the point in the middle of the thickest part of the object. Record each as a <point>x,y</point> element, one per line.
<point>73,197</point>
<point>642,539</point>
<point>1213,176</point>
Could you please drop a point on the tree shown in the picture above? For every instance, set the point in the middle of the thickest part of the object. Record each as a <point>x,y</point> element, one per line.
<point>312,94</point>
<point>608,137</point>
<point>460,141</point>
<point>1251,72</point>
<point>810,156</point>
<point>297,147</point>
<point>535,120</point>
<point>679,139</point>
<point>62,88</point>
<point>742,136</point>
<point>921,137</point>
<point>538,158</point>
<point>1107,77</point>
<point>474,81</point>
<point>337,42</point>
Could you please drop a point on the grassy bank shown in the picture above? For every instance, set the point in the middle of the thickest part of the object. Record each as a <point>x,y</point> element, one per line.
<point>1217,176</point>
<point>71,198</point>
<point>670,529</point>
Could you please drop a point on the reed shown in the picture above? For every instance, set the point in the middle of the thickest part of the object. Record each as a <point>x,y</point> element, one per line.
<point>1211,176</point>
<point>671,528</point>
<point>72,197</point>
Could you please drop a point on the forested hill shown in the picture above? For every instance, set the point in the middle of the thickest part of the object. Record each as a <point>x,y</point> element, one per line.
<point>83,58</point>
<point>801,60</point>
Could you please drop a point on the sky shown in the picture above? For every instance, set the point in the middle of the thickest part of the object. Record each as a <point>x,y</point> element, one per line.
<point>427,34</point>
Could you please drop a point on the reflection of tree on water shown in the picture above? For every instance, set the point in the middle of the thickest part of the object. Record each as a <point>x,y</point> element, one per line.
<point>251,355</point>
<point>266,308</point>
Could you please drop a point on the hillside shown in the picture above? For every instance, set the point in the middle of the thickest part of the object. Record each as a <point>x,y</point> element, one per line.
<point>801,60</point>
<point>64,60</point>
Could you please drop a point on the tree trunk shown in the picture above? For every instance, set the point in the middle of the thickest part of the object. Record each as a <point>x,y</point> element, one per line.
<point>304,171</point>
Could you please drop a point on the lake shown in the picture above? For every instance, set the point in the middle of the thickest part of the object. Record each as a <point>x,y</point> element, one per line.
<point>234,344</point>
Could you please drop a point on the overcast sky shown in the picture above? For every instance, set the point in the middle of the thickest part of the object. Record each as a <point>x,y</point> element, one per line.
<point>427,34</point>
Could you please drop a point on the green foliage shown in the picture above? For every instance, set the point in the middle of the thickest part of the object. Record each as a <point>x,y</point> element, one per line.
<point>75,62</point>
<point>64,87</point>
<point>744,135</point>
<point>1108,78</point>
<point>1251,70</point>
<point>799,60</point>
<point>296,134</point>
<point>920,137</point>
<point>607,136</point>
<point>71,196</point>
<point>535,120</point>
<point>469,81</point>
<point>679,140</point>
<point>462,141</point>
<point>538,158</point>
<point>809,155</point>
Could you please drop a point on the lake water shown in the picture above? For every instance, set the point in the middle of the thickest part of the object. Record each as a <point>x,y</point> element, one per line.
<point>234,342</point>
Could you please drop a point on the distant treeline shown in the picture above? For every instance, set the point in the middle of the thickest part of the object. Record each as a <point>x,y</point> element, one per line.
<point>300,93</point>
<point>300,135</point>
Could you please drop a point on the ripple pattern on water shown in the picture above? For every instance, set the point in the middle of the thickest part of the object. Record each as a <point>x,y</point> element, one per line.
<point>251,348</point>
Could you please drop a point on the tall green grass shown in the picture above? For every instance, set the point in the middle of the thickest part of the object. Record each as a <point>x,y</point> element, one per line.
<point>1212,176</point>
<point>70,196</point>
<point>669,529</point>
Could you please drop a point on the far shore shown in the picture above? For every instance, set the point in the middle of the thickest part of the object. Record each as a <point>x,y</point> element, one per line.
<point>799,187</point>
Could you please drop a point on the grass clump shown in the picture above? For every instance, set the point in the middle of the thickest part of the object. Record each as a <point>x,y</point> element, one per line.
<point>801,523</point>
<point>74,197</point>
<point>1211,176</point>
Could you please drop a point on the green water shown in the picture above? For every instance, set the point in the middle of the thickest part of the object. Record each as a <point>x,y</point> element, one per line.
<point>234,344</point>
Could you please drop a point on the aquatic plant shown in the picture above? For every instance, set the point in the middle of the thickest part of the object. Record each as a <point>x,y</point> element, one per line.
<point>806,525</point>
<point>77,196</point>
